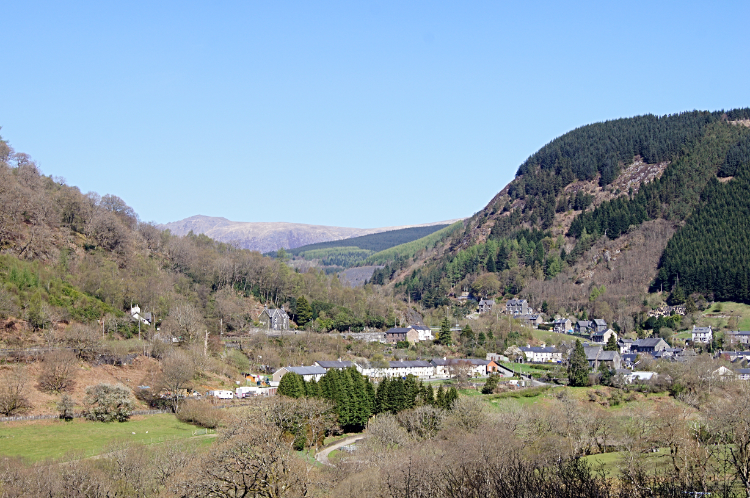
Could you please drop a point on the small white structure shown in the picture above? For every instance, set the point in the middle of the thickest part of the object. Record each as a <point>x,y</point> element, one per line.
<point>221,394</point>
<point>144,318</point>
<point>703,334</point>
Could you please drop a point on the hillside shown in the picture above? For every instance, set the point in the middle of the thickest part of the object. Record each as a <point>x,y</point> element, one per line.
<point>270,236</point>
<point>585,222</point>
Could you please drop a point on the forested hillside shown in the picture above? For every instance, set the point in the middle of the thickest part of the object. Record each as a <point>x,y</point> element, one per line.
<point>70,257</point>
<point>588,193</point>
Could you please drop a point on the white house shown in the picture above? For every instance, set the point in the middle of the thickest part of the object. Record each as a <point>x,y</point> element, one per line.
<point>743,373</point>
<point>424,333</point>
<point>703,334</point>
<point>145,318</point>
<point>534,354</point>
<point>308,373</point>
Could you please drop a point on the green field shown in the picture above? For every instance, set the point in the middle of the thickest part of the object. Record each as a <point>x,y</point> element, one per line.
<point>39,440</point>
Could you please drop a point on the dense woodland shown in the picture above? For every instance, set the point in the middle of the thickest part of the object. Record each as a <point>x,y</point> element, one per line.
<point>526,245</point>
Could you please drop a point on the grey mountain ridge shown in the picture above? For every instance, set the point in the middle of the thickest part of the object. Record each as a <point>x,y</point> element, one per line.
<point>271,236</point>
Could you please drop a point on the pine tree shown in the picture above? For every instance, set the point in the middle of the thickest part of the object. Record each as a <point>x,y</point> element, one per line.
<point>291,385</point>
<point>450,397</point>
<point>445,337</point>
<point>440,399</point>
<point>491,264</point>
<point>611,344</point>
<point>304,311</point>
<point>578,370</point>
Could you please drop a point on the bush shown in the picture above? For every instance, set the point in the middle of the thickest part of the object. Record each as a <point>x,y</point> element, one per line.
<point>107,403</point>
<point>65,408</point>
<point>200,413</point>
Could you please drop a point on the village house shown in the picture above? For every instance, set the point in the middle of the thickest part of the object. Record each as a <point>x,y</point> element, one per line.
<point>596,356</point>
<point>650,345</point>
<point>476,368</point>
<point>743,373</point>
<point>136,315</point>
<point>308,373</point>
<point>599,325</point>
<point>529,320</point>
<point>485,306</point>
<point>602,337</point>
<point>537,354</point>
<point>584,327</point>
<point>624,345</point>
<point>424,333</point>
<point>562,325</point>
<point>274,319</point>
<point>517,307</point>
<point>737,337</point>
<point>703,334</point>
<point>399,334</point>
<point>418,368</point>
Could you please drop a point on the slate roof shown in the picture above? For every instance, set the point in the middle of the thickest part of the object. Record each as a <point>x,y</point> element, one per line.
<point>584,323</point>
<point>539,349</point>
<point>743,371</point>
<point>592,352</point>
<point>561,321</point>
<point>599,321</point>
<point>334,364</point>
<point>629,357</point>
<point>313,370</point>
<point>647,343</point>
<point>516,302</point>
<point>409,364</point>
<point>701,330</point>
<point>397,330</point>
<point>608,355</point>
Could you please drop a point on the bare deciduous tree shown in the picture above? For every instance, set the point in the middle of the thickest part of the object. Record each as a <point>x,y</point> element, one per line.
<point>58,369</point>
<point>13,398</point>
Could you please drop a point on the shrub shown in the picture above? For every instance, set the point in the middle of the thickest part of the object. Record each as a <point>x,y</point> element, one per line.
<point>65,408</point>
<point>200,413</point>
<point>107,403</point>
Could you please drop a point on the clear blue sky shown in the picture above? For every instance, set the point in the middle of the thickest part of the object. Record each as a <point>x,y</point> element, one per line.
<point>352,113</point>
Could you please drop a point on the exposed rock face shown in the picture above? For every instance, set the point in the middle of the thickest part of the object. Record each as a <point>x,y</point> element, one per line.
<point>265,236</point>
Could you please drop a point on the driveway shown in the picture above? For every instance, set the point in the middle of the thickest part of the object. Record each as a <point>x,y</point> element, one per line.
<point>322,455</point>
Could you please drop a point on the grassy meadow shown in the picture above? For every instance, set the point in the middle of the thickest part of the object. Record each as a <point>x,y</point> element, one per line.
<point>39,440</point>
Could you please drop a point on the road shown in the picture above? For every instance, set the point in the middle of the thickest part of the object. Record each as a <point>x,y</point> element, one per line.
<point>322,455</point>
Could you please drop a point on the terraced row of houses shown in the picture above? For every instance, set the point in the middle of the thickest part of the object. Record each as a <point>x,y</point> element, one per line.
<point>422,369</point>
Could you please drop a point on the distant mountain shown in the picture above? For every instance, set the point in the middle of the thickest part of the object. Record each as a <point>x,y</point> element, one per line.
<point>271,236</point>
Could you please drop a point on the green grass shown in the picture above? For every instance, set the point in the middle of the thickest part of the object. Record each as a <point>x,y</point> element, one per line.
<point>549,337</point>
<point>609,462</point>
<point>39,440</point>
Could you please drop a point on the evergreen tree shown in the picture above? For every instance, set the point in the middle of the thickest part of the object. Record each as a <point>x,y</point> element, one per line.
<point>491,264</point>
<point>291,385</point>
<point>445,337</point>
<point>578,370</point>
<point>450,397</point>
<point>490,384</point>
<point>611,344</point>
<point>440,399</point>
<point>304,311</point>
